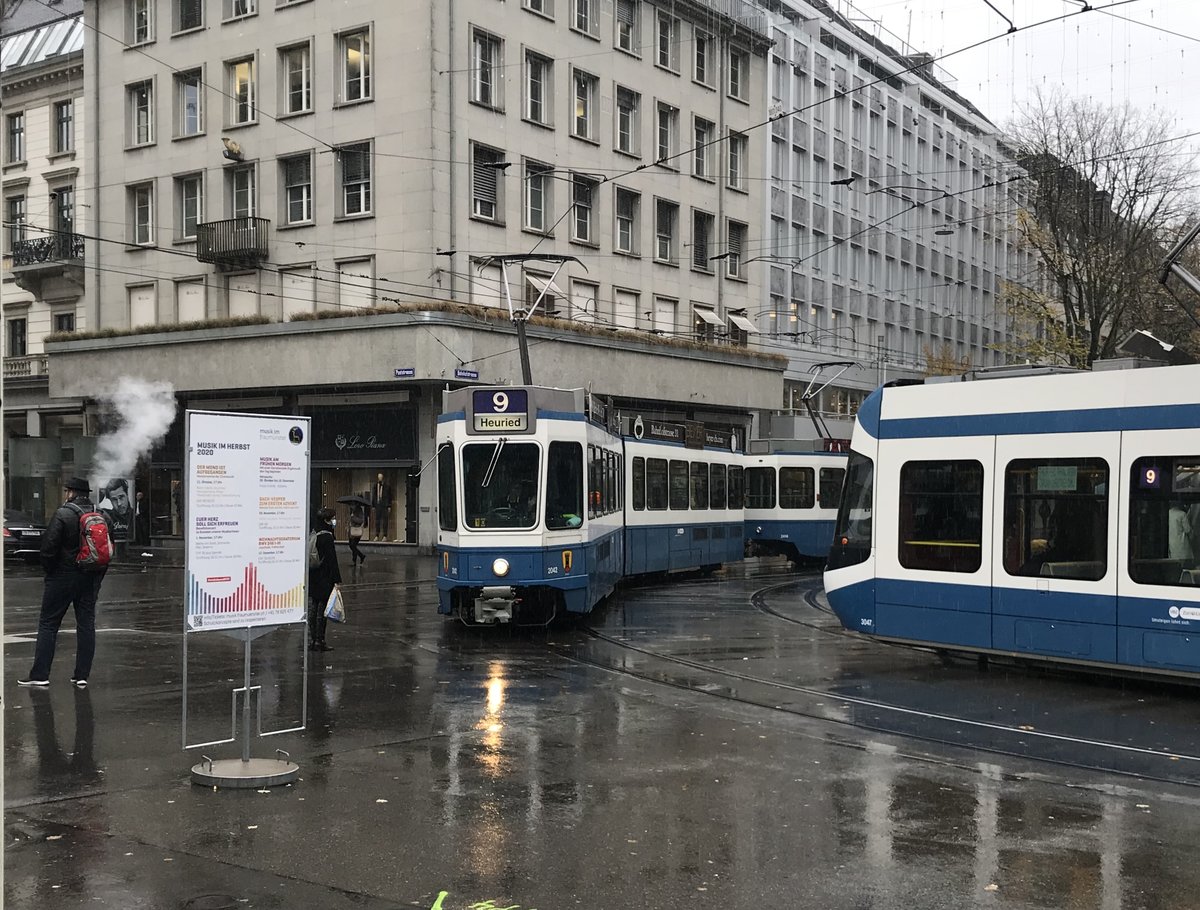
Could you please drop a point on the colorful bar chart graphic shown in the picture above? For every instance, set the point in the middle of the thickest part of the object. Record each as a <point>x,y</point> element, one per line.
<point>249,597</point>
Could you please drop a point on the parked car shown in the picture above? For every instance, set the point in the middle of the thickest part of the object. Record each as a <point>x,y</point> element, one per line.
<point>22,536</point>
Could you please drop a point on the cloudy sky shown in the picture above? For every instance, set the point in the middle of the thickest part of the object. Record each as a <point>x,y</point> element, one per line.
<point>1122,53</point>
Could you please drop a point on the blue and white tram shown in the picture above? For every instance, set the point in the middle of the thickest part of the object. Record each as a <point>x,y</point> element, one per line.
<point>1042,516</point>
<point>532,512</point>
<point>791,503</point>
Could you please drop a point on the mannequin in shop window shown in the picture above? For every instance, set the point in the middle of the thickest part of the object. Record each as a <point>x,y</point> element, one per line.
<point>381,506</point>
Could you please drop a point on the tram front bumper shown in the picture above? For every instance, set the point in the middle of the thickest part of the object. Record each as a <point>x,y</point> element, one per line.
<point>495,604</point>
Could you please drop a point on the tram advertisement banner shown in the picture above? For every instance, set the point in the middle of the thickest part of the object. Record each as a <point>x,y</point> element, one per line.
<point>247,520</point>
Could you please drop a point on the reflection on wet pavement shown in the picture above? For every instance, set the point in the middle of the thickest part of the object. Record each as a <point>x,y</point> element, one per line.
<point>450,767</point>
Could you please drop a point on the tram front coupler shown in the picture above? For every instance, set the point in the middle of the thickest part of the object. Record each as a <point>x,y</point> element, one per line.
<point>495,604</point>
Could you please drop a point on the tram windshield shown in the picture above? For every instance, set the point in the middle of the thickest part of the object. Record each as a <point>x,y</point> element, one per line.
<point>500,483</point>
<point>852,538</point>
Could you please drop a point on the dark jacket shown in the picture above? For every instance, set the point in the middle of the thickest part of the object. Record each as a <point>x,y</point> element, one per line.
<point>322,578</point>
<point>60,543</point>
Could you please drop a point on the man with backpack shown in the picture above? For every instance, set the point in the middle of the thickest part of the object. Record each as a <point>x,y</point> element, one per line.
<point>76,552</point>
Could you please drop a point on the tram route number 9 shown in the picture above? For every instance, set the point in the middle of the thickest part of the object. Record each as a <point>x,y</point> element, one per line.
<point>512,401</point>
<point>1151,479</point>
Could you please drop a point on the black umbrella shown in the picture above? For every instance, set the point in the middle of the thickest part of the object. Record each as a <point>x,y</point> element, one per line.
<point>354,501</point>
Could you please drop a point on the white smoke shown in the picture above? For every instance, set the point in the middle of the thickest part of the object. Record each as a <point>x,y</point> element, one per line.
<point>141,413</point>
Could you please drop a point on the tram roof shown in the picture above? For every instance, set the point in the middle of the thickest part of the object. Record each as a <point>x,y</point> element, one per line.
<point>1078,402</point>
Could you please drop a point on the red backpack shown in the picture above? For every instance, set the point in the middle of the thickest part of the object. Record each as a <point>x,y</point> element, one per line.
<point>95,546</point>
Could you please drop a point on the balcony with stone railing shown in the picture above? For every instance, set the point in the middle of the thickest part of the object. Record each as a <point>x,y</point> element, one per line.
<point>31,366</point>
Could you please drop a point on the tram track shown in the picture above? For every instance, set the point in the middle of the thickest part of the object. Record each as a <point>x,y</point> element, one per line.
<point>857,712</point>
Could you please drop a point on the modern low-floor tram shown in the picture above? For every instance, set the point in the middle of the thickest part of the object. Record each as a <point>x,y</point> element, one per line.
<point>1044,516</point>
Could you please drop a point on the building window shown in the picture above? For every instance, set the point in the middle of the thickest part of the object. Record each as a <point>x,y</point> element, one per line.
<point>235,9</point>
<point>583,16</point>
<point>702,230</point>
<point>736,243</point>
<point>537,196</point>
<point>485,69</point>
<point>628,121</point>
<point>487,165</point>
<point>64,127</point>
<point>539,82</point>
<point>356,283</point>
<point>14,146</point>
<point>701,153</point>
<point>15,217</point>
<point>739,74</point>
<point>189,104</point>
<point>585,103</point>
<point>628,203</point>
<point>666,230</point>
<point>143,304</point>
<point>738,148</point>
<point>296,172</point>
<point>62,209</point>
<point>668,41</point>
<point>140,100</point>
<point>64,322</point>
<point>354,58</point>
<point>139,21</point>
<point>703,44</point>
<point>583,197</point>
<point>141,214</point>
<point>189,205</point>
<point>17,338</point>
<point>241,187</point>
<point>189,14</point>
<point>667,133</point>
<point>240,77</point>
<point>354,177</point>
<point>627,18</point>
<point>543,7</point>
<point>295,64</point>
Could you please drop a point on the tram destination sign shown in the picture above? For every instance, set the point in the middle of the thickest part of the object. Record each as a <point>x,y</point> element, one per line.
<point>500,410</point>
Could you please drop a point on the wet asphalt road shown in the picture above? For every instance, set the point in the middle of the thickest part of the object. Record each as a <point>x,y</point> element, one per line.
<point>683,748</point>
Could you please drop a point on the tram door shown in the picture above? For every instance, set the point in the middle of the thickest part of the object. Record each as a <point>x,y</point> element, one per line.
<point>1055,539</point>
<point>1158,586</point>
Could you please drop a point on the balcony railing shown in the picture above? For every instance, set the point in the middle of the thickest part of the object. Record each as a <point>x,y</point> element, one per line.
<point>34,365</point>
<point>53,248</point>
<point>234,243</point>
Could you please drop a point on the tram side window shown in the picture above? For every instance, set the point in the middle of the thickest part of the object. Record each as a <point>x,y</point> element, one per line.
<point>610,492</point>
<point>796,488</point>
<point>656,484</point>
<point>447,493</point>
<point>564,486</point>
<point>639,484</point>
<point>941,515</point>
<point>679,484</point>
<point>736,499</point>
<point>831,487</point>
<point>716,487</point>
<point>1164,521</point>
<point>1056,517</point>
<point>593,481</point>
<point>699,485</point>
<point>620,482</point>
<point>760,488</point>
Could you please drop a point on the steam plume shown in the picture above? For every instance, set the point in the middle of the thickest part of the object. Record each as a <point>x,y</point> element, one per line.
<point>142,412</point>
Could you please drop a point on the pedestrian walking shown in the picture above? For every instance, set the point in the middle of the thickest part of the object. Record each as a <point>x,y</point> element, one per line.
<point>358,524</point>
<point>71,581</point>
<point>323,577</point>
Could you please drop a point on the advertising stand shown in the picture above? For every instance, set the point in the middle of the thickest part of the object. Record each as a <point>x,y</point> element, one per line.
<point>246,575</point>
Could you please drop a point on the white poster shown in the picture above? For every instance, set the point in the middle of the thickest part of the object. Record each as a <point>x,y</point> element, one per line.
<point>246,504</point>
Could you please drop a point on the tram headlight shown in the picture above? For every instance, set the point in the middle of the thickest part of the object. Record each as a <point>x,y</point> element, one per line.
<point>499,567</point>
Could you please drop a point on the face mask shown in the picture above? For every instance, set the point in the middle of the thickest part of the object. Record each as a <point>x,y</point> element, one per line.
<point>333,522</point>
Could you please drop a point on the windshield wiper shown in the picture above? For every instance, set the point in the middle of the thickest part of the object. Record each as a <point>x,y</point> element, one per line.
<point>491,468</point>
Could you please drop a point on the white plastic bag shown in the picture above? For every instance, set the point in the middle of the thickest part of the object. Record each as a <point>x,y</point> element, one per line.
<point>335,607</point>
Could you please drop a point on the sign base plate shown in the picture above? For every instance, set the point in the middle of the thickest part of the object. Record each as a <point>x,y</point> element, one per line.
<point>240,774</point>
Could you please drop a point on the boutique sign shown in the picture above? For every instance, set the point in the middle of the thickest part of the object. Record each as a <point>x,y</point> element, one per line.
<point>357,434</point>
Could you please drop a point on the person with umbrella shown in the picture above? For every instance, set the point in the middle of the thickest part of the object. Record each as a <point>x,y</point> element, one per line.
<point>357,527</point>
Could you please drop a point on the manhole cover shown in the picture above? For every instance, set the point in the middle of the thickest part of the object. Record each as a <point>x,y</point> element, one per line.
<point>212,902</point>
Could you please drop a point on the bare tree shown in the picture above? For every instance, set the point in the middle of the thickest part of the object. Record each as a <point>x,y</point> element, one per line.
<point>1110,186</point>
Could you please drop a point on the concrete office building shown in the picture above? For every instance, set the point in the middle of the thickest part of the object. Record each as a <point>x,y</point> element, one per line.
<point>272,158</point>
<point>41,290</point>
<point>879,137</point>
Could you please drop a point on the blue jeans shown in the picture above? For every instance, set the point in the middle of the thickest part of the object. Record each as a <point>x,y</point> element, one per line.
<point>64,588</point>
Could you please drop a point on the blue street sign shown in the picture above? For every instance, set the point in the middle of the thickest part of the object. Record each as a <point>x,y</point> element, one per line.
<point>466,374</point>
<point>404,372</point>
